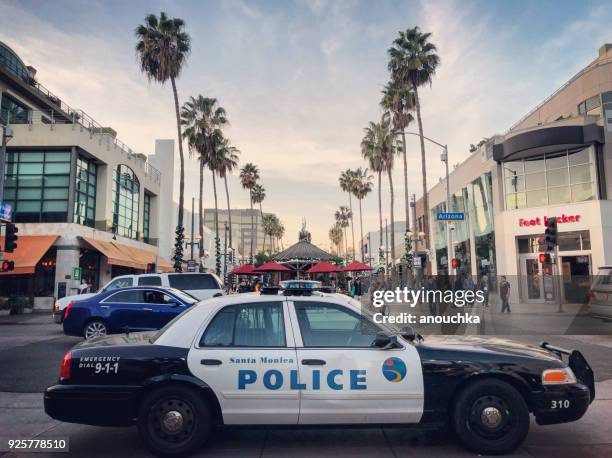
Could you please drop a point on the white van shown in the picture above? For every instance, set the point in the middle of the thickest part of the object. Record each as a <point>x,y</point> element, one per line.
<point>199,285</point>
<point>600,296</point>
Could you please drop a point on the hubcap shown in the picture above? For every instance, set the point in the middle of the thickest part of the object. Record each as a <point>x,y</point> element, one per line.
<point>95,330</point>
<point>491,417</point>
<point>173,421</point>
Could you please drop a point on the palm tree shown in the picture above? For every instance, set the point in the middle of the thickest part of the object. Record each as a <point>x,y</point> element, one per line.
<point>228,161</point>
<point>412,63</point>
<point>347,183</point>
<point>361,188</point>
<point>258,194</point>
<point>268,223</point>
<point>371,150</point>
<point>203,119</point>
<point>399,101</point>
<point>249,174</point>
<point>335,235</point>
<point>387,153</point>
<point>279,233</point>
<point>162,48</point>
<point>343,216</point>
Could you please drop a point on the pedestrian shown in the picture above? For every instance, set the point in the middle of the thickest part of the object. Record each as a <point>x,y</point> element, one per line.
<point>257,286</point>
<point>84,286</point>
<point>504,293</point>
<point>484,286</point>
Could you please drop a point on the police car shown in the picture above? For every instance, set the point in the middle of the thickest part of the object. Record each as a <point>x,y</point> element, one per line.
<point>299,357</point>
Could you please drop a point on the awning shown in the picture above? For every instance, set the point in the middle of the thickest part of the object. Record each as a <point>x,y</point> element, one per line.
<point>123,255</point>
<point>30,249</point>
<point>272,266</point>
<point>323,267</point>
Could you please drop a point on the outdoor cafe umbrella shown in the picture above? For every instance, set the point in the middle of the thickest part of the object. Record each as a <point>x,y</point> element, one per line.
<point>271,266</point>
<point>323,267</point>
<point>244,269</point>
<point>357,266</point>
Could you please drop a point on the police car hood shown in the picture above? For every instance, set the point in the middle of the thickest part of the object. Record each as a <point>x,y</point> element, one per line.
<point>133,338</point>
<point>490,345</point>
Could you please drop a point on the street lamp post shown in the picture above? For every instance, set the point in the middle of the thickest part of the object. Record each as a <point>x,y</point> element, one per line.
<point>443,158</point>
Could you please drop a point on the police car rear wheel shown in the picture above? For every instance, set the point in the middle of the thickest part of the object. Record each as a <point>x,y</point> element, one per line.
<point>95,328</point>
<point>491,417</point>
<point>174,421</point>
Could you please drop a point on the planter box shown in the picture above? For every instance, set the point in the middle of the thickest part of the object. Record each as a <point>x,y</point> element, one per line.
<point>5,312</point>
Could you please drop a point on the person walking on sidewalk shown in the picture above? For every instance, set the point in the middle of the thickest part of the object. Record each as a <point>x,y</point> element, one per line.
<point>484,286</point>
<point>504,293</point>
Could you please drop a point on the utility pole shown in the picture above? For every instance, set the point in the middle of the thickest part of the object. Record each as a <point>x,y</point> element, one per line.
<point>192,225</point>
<point>415,236</point>
<point>449,245</point>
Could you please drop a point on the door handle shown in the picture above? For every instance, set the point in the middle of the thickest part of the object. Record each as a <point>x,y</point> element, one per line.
<point>313,362</point>
<point>105,306</point>
<point>148,310</point>
<point>210,362</point>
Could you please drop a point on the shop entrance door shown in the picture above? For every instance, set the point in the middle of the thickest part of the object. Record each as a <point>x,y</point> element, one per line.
<point>531,279</point>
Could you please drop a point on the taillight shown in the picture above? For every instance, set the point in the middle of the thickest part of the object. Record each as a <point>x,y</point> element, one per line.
<point>65,369</point>
<point>56,307</point>
<point>67,309</point>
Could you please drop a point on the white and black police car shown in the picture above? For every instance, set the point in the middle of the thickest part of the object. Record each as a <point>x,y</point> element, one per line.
<point>301,357</point>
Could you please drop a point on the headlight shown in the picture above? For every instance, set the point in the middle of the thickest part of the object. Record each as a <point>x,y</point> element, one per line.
<point>562,376</point>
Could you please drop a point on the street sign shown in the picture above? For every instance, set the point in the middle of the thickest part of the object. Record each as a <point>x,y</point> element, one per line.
<point>76,273</point>
<point>191,265</point>
<point>6,212</point>
<point>450,216</point>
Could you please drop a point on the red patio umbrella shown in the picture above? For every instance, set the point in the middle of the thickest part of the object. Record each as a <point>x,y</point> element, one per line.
<point>244,269</point>
<point>323,267</point>
<point>357,266</point>
<point>271,266</point>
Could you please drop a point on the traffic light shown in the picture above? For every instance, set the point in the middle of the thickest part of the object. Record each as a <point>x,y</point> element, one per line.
<point>11,238</point>
<point>545,258</point>
<point>151,268</point>
<point>7,266</point>
<point>551,234</point>
<point>455,263</point>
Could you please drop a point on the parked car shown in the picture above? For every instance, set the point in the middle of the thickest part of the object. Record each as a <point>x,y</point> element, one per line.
<point>285,358</point>
<point>600,296</point>
<point>200,285</point>
<point>124,310</point>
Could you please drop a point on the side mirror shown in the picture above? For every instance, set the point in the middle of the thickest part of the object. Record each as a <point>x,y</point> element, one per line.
<point>385,341</point>
<point>407,332</point>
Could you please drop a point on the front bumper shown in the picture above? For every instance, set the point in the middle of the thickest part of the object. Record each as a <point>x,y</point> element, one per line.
<point>97,405</point>
<point>561,403</point>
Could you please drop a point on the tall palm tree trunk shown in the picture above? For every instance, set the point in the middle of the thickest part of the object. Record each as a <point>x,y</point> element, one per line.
<point>263,248</point>
<point>201,213</point>
<point>352,223</point>
<point>252,226</point>
<point>389,172</point>
<point>361,231</point>
<point>380,228</point>
<point>229,211</point>
<point>345,244</point>
<point>423,167</point>
<point>181,201</point>
<point>217,240</point>
<point>406,194</point>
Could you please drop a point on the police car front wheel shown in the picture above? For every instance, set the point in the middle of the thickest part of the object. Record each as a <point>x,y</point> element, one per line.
<point>490,417</point>
<point>174,421</point>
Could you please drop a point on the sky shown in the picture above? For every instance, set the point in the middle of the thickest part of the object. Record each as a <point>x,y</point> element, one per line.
<point>301,79</point>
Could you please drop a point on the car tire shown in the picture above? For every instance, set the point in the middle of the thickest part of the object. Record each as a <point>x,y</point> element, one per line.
<point>95,328</point>
<point>174,421</point>
<point>490,417</point>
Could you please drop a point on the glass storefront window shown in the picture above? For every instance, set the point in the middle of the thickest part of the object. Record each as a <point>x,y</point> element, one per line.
<point>37,185</point>
<point>13,111</point>
<point>555,178</point>
<point>85,192</point>
<point>126,197</point>
<point>146,217</point>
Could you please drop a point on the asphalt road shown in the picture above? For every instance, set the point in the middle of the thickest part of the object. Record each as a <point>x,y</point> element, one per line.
<point>32,349</point>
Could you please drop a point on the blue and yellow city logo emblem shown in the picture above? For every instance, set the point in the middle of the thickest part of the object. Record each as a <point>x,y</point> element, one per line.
<point>394,369</point>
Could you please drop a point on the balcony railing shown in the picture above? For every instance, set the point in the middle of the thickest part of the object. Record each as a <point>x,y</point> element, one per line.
<point>80,118</point>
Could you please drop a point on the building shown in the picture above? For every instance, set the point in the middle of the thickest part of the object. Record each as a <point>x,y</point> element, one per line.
<point>241,228</point>
<point>86,205</point>
<point>373,248</point>
<point>555,161</point>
